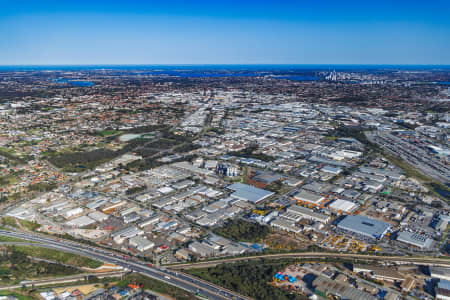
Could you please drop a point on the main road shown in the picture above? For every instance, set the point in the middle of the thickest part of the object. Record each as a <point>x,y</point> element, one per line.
<point>192,284</point>
<point>174,278</point>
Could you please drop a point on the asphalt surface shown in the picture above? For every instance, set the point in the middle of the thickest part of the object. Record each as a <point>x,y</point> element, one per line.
<point>178,279</point>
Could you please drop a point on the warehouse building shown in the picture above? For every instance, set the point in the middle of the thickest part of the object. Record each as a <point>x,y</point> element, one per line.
<point>73,212</point>
<point>332,170</point>
<point>364,226</point>
<point>98,216</point>
<point>261,179</point>
<point>202,249</point>
<point>443,290</point>
<point>343,206</point>
<point>249,193</point>
<point>82,221</point>
<point>309,198</point>
<point>309,214</point>
<point>415,239</point>
<point>120,236</point>
<point>141,243</point>
<point>285,225</point>
<point>343,291</point>
<point>379,272</point>
<point>150,221</point>
<point>440,273</point>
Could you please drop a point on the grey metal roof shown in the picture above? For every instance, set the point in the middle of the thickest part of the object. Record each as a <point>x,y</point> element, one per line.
<point>365,226</point>
<point>444,284</point>
<point>308,196</point>
<point>415,239</point>
<point>248,192</point>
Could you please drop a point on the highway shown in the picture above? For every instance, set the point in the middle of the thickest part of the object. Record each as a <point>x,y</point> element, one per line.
<point>427,261</point>
<point>174,278</point>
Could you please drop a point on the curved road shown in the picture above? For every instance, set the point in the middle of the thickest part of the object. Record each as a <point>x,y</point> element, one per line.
<point>180,280</point>
<point>190,283</point>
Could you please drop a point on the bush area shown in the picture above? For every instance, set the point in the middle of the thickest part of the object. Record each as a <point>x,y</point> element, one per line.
<point>354,132</point>
<point>240,230</point>
<point>42,186</point>
<point>150,163</point>
<point>5,180</point>
<point>76,161</point>
<point>59,256</point>
<point>157,286</point>
<point>249,153</point>
<point>146,129</point>
<point>108,132</point>
<point>11,156</point>
<point>250,279</point>
<point>351,99</point>
<point>15,266</point>
<point>186,147</point>
<point>135,190</point>
<point>10,221</point>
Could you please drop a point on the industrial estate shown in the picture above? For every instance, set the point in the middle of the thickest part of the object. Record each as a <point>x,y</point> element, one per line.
<point>224,183</point>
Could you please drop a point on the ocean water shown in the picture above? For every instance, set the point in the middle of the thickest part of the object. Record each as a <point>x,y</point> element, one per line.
<point>253,68</point>
<point>82,83</point>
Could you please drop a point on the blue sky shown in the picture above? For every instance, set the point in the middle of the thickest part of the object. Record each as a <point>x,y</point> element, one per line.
<point>224,32</point>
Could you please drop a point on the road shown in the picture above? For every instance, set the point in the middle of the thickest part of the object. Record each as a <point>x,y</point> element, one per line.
<point>427,261</point>
<point>174,278</point>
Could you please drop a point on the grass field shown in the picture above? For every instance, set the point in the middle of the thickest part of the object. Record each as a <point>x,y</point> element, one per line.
<point>6,180</point>
<point>16,294</point>
<point>63,257</point>
<point>11,239</point>
<point>108,132</point>
<point>10,221</point>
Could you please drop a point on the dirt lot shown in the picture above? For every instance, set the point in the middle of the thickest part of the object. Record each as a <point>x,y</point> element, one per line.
<point>279,241</point>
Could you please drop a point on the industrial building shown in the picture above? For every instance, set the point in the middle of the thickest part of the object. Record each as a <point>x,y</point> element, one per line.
<point>364,226</point>
<point>98,216</point>
<point>343,206</point>
<point>249,193</point>
<point>202,249</point>
<point>309,198</point>
<point>82,221</point>
<point>309,214</point>
<point>120,236</point>
<point>285,225</point>
<point>261,179</point>
<point>443,290</point>
<point>332,170</point>
<point>141,243</point>
<point>328,286</point>
<point>415,239</point>
<point>73,212</point>
<point>379,272</point>
<point>440,273</point>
